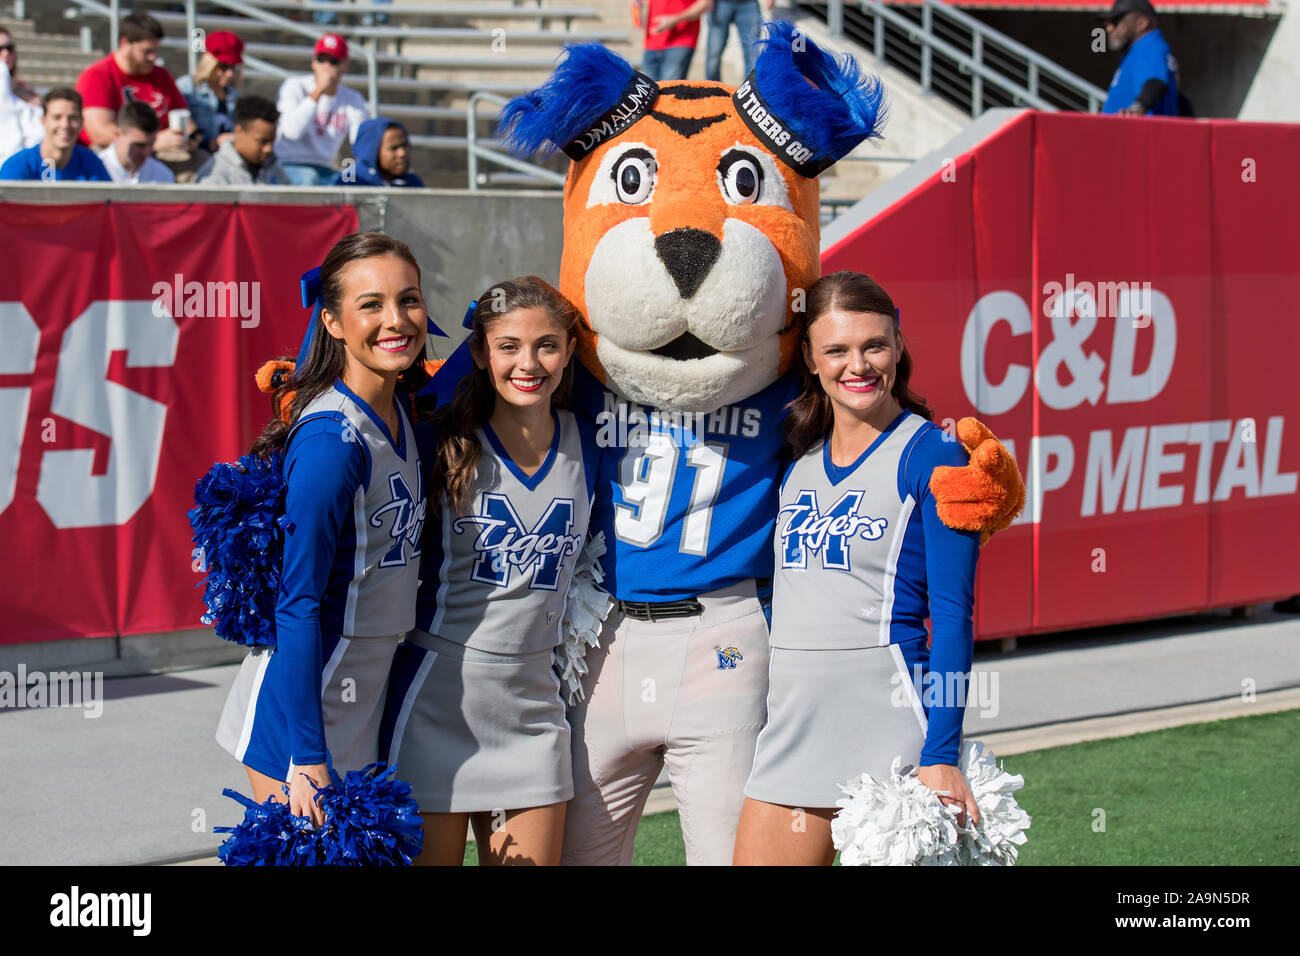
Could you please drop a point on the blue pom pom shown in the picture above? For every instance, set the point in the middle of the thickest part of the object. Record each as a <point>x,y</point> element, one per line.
<point>237,522</point>
<point>370,820</point>
<point>843,106</point>
<point>587,82</point>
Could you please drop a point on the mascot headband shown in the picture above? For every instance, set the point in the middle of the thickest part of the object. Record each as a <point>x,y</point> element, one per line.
<point>775,132</point>
<point>311,299</point>
<point>635,102</point>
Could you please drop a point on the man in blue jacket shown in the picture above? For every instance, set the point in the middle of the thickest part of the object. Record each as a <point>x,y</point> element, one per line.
<point>1146,81</point>
<point>383,157</point>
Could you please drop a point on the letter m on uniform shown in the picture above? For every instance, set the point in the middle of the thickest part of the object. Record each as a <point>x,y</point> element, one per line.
<point>517,545</point>
<point>808,529</point>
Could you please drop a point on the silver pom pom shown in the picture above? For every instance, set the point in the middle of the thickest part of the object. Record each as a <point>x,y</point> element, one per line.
<point>901,822</point>
<point>585,609</point>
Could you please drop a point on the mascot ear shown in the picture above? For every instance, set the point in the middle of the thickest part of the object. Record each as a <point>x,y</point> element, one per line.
<point>826,101</point>
<point>586,84</point>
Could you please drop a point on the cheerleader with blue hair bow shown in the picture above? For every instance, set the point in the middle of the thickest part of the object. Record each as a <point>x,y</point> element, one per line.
<point>354,507</point>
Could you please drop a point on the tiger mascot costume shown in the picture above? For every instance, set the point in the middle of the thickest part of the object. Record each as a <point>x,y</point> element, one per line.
<point>691,233</point>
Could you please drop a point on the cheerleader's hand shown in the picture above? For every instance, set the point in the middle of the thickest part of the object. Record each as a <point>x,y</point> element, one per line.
<point>949,783</point>
<point>302,795</point>
<point>985,495</point>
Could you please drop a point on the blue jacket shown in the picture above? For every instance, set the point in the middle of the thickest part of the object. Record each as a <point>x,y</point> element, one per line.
<point>203,103</point>
<point>366,150</point>
<point>1148,58</point>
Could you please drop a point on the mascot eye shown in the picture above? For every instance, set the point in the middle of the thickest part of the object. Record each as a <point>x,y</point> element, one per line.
<point>634,176</point>
<point>741,177</point>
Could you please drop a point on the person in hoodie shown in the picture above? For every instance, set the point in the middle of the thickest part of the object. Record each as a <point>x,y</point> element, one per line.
<point>249,158</point>
<point>383,157</point>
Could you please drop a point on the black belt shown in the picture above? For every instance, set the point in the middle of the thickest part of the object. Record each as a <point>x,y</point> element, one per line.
<point>647,611</point>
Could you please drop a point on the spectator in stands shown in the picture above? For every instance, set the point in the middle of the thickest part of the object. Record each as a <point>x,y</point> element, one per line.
<point>211,92</point>
<point>131,73</point>
<point>672,30</point>
<point>748,20</point>
<point>1146,80</point>
<point>316,112</point>
<point>383,157</point>
<point>249,158</point>
<point>58,157</point>
<point>129,159</point>
<point>9,57</point>
<point>20,121</point>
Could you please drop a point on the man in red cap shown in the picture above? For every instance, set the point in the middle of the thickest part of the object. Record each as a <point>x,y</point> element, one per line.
<point>130,72</point>
<point>316,112</point>
<point>212,91</point>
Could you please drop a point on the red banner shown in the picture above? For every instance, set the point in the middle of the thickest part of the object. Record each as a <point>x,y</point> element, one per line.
<point>1110,296</point>
<point>132,333</point>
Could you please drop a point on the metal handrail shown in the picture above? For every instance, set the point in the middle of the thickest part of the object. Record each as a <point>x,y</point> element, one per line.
<point>921,35</point>
<point>985,42</point>
<point>1038,65</point>
<point>473,151</point>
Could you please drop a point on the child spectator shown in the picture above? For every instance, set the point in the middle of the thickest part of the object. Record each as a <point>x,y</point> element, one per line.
<point>249,158</point>
<point>383,157</point>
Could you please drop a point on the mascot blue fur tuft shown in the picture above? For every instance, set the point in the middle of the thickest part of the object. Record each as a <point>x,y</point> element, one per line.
<point>587,82</point>
<point>842,106</point>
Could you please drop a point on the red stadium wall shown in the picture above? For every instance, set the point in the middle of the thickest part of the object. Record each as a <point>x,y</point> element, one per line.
<point>117,393</point>
<point>1113,298</point>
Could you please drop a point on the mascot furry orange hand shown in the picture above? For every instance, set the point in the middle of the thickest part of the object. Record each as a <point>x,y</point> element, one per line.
<point>690,235</point>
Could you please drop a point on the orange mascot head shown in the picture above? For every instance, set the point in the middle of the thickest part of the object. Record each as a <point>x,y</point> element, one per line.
<point>691,211</point>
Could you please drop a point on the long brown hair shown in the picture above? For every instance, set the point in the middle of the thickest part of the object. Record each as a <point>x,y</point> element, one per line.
<point>458,448</point>
<point>810,417</point>
<point>327,357</point>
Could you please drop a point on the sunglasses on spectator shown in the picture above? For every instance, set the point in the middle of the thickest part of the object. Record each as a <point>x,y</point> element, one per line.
<point>326,58</point>
<point>7,48</point>
<point>229,67</point>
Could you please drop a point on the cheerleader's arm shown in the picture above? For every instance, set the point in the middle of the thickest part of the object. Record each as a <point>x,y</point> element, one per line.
<point>322,473</point>
<point>950,558</point>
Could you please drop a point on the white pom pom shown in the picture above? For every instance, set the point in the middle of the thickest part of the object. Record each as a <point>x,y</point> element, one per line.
<point>585,609</point>
<point>901,822</point>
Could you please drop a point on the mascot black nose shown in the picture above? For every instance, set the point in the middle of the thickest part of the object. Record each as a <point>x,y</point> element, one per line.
<point>688,255</point>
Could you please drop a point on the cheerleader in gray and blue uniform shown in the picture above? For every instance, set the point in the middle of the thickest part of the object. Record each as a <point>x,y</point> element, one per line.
<point>353,515</point>
<point>476,721</point>
<point>862,559</point>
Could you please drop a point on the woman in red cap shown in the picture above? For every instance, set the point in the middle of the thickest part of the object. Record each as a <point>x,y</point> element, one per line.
<point>211,92</point>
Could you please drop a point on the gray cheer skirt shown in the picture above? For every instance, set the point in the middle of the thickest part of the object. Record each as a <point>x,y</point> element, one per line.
<point>831,715</point>
<point>473,731</point>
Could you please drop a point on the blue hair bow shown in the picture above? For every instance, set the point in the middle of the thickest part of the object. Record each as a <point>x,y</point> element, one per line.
<point>459,364</point>
<point>311,299</point>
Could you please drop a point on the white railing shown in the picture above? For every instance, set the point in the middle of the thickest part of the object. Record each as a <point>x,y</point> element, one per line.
<point>474,150</point>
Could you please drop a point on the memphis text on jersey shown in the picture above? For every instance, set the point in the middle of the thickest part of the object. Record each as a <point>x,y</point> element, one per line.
<point>629,425</point>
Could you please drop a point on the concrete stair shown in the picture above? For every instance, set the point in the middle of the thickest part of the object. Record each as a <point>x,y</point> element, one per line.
<point>46,60</point>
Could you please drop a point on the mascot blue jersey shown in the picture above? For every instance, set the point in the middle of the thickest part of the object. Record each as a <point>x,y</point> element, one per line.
<point>687,501</point>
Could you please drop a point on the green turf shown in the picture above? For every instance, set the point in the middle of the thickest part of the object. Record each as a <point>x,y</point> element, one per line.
<point>1215,794</point>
